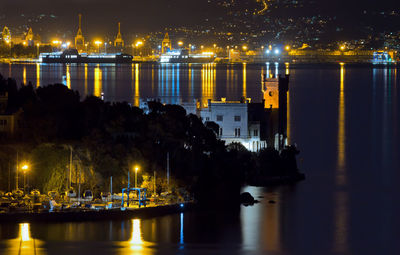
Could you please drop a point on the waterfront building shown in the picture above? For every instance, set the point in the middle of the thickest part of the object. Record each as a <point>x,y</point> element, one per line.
<point>79,39</point>
<point>238,122</point>
<point>254,125</point>
<point>119,42</point>
<point>275,91</point>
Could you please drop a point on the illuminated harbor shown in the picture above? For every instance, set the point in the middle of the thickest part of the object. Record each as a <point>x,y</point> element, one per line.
<point>199,127</point>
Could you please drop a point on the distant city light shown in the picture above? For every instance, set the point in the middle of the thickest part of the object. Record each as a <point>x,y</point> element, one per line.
<point>208,53</point>
<point>277,51</point>
<point>267,51</point>
<point>139,43</point>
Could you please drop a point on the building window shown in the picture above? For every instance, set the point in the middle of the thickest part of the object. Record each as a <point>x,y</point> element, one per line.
<point>220,132</point>
<point>255,132</point>
<point>3,122</point>
<point>220,118</point>
<point>237,132</point>
<point>237,118</point>
<point>207,118</point>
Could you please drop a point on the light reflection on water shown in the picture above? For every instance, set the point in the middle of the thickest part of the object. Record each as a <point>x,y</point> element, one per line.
<point>345,121</point>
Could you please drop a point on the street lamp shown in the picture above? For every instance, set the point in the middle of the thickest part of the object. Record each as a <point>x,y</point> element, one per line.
<point>25,169</point>
<point>98,43</point>
<point>138,45</point>
<point>136,170</point>
<point>38,45</point>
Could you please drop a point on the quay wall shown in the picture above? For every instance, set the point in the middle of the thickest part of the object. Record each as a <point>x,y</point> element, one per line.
<point>93,215</point>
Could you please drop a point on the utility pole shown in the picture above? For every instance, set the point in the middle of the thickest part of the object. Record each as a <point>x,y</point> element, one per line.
<point>129,181</point>
<point>168,170</point>
<point>111,188</point>
<point>16,176</point>
<point>9,175</point>
<point>70,166</point>
<point>154,183</point>
<point>79,187</point>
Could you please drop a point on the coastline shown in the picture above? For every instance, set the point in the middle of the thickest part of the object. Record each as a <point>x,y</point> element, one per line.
<point>94,215</point>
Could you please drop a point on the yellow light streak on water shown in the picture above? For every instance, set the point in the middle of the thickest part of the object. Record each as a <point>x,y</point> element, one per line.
<point>68,77</point>
<point>341,196</point>
<point>136,240</point>
<point>287,68</point>
<point>24,232</point>
<point>86,79</point>
<point>244,80</point>
<point>288,130</point>
<point>137,91</point>
<point>24,75</point>
<point>37,75</point>
<point>97,81</point>
<point>208,77</point>
<point>341,139</point>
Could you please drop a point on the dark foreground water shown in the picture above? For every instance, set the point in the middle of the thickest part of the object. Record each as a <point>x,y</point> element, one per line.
<point>345,120</point>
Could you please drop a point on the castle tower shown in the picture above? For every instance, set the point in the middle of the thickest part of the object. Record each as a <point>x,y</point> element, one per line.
<point>166,44</point>
<point>270,90</point>
<point>275,91</point>
<point>6,35</point>
<point>79,39</point>
<point>118,40</point>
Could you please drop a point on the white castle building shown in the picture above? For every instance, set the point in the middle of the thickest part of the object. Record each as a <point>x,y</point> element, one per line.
<point>235,123</point>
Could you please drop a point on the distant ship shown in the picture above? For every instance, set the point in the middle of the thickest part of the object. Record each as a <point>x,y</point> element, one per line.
<point>382,58</point>
<point>183,56</point>
<point>73,56</point>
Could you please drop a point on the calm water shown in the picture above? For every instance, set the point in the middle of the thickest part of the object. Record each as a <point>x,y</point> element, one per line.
<point>345,120</point>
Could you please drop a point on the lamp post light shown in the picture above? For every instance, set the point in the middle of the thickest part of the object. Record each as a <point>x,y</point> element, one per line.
<point>98,43</point>
<point>25,169</point>
<point>38,45</point>
<point>8,42</point>
<point>136,170</point>
<point>139,45</point>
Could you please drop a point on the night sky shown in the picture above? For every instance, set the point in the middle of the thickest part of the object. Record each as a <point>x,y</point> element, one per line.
<point>101,16</point>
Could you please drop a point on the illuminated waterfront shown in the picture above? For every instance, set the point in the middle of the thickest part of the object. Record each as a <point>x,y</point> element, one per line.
<point>345,120</point>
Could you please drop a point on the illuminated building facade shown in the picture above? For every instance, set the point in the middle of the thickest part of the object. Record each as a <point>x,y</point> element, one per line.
<point>239,122</point>
<point>275,92</point>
